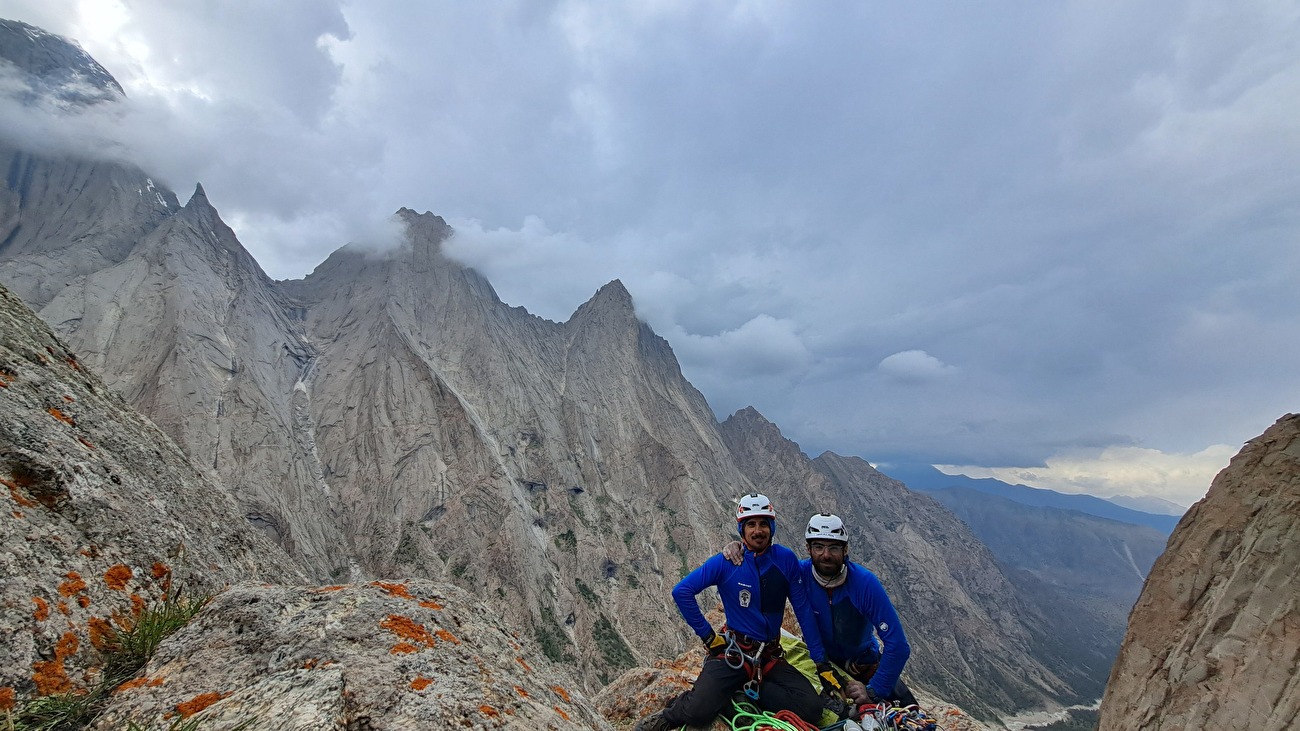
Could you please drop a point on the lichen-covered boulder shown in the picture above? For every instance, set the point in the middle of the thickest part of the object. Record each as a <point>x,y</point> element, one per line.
<point>365,656</point>
<point>100,515</point>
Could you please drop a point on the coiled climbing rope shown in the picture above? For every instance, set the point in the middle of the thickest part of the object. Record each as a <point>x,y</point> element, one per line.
<point>750,718</point>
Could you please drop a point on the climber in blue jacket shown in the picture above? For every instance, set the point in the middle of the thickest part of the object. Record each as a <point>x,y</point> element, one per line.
<point>745,654</point>
<point>852,610</point>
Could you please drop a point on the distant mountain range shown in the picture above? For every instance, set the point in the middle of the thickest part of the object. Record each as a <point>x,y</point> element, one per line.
<point>927,478</point>
<point>1149,504</point>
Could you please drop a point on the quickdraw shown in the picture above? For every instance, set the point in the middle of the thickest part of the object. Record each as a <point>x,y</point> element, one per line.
<point>906,718</point>
<point>910,718</point>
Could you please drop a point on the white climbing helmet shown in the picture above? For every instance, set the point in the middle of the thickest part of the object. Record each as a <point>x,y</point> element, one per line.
<point>754,505</point>
<point>826,527</point>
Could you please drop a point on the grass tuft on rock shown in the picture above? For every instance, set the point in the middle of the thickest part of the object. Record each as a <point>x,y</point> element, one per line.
<point>124,652</point>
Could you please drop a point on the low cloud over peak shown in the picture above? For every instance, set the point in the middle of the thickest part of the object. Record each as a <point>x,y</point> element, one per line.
<point>953,235</point>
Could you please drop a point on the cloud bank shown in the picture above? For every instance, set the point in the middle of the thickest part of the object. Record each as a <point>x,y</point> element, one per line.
<point>945,233</point>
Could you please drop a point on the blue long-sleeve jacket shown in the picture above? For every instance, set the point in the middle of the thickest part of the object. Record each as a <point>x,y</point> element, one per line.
<point>753,596</point>
<point>849,618</point>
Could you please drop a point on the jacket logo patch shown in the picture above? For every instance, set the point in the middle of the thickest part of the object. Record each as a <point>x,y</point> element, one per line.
<point>884,627</point>
<point>745,597</point>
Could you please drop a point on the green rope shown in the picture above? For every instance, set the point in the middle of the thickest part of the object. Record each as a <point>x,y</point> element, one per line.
<point>760,719</point>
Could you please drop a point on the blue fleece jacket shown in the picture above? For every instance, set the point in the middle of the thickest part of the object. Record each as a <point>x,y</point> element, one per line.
<point>753,596</point>
<point>851,615</point>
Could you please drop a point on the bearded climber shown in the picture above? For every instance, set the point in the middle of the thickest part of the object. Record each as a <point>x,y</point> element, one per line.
<point>745,653</point>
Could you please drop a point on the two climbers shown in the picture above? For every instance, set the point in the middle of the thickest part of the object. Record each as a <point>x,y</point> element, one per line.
<point>852,610</point>
<point>745,653</point>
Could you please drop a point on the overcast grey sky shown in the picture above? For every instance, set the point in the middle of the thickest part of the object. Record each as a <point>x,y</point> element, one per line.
<point>1052,242</point>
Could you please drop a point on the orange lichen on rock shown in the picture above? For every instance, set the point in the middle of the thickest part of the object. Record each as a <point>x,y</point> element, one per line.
<point>137,605</point>
<point>337,587</point>
<point>522,693</point>
<point>420,683</point>
<point>560,711</point>
<point>83,601</point>
<point>130,685</point>
<point>163,572</point>
<point>310,663</point>
<point>561,692</point>
<point>50,676</point>
<point>6,699</point>
<point>198,703</point>
<point>61,416</point>
<point>42,612</point>
<point>17,496</point>
<point>117,576</point>
<point>430,604</point>
<point>446,636</point>
<point>85,443</point>
<point>408,629</point>
<point>101,633</point>
<point>403,648</point>
<point>122,620</point>
<point>399,590</point>
<point>17,514</point>
<point>63,609</point>
<point>489,711</point>
<point>67,645</point>
<point>523,664</point>
<point>73,585</point>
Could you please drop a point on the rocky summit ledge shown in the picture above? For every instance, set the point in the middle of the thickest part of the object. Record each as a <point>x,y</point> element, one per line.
<point>366,656</point>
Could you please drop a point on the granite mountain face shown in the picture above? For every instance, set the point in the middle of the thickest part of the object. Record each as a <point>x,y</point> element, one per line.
<point>106,519</point>
<point>1214,640</point>
<point>389,417</point>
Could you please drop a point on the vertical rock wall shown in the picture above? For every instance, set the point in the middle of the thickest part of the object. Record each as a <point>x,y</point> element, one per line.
<point>1214,640</point>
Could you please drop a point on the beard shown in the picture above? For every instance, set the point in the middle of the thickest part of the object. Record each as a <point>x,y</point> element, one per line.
<point>828,568</point>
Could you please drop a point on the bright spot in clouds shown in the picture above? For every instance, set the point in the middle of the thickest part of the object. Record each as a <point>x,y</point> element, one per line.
<point>1133,471</point>
<point>914,366</point>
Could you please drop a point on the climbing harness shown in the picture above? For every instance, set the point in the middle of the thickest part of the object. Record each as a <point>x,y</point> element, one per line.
<point>753,656</point>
